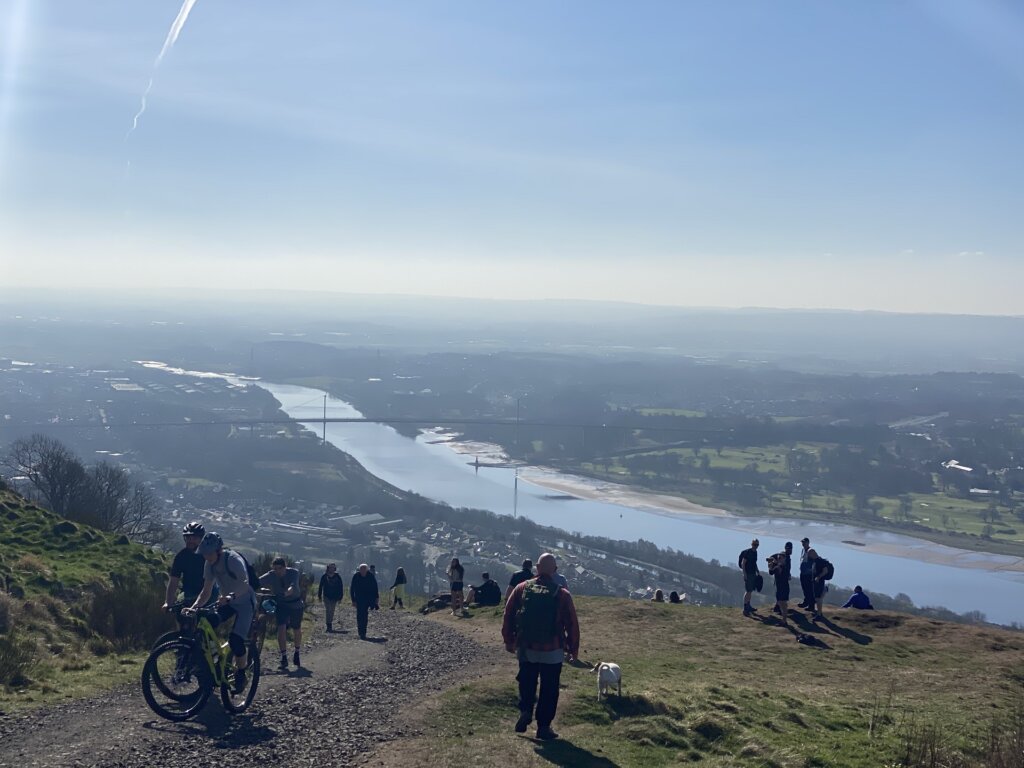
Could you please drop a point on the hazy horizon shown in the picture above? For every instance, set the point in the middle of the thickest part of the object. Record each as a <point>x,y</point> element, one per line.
<point>683,155</point>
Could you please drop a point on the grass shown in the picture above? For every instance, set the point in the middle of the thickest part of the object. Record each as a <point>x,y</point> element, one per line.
<point>705,686</point>
<point>57,640</point>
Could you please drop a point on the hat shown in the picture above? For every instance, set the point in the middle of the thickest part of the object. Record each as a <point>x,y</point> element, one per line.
<point>805,540</point>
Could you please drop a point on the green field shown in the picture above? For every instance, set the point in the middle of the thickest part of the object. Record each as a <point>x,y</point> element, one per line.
<point>704,686</point>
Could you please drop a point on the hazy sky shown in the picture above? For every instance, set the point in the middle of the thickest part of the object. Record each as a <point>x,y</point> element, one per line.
<point>860,155</point>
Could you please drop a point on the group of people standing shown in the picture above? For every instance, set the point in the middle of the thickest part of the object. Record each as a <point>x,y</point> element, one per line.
<point>815,572</point>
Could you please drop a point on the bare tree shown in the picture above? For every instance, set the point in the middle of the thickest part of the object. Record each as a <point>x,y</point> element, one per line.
<point>102,496</point>
<point>54,472</point>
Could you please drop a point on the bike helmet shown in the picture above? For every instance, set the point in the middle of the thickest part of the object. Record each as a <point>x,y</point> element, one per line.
<point>211,543</point>
<point>269,605</point>
<point>195,528</point>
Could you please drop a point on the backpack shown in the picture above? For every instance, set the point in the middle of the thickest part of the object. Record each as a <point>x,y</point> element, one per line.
<point>537,619</point>
<point>250,572</point>
<point>830,571</point>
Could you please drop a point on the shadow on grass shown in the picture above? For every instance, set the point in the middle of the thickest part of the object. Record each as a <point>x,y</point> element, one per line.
<point>561,752</point>
<point>849,634</point>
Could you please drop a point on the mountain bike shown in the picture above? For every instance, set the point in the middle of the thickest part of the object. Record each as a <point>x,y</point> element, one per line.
<point>181,673</point>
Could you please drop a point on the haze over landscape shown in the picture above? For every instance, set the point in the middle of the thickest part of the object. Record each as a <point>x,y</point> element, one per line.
<point>624,285</point>
<point>813,156</point>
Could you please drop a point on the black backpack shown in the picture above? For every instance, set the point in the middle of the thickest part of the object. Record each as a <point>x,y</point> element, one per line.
<point>250,572</point>
<point>830,570</point>
<point>537,619</point>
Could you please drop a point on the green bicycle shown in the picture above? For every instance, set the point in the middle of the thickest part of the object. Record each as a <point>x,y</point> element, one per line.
<point>182,672</point>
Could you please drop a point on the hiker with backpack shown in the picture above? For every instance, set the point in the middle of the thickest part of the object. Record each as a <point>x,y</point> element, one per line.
<point>540,627</point>
<point>821,571</point>
<point>284,583</point>
<point>365,595</point>
<point>752,580</point>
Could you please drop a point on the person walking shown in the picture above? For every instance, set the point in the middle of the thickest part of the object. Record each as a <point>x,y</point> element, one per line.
<point>456,583</point>
<point>285,584</point>
<point>806,581</point>
<point>398,589</point>
<point>540,626</point>
<point>365,595</point>
<point>748,564</point>
<point>330,593</point>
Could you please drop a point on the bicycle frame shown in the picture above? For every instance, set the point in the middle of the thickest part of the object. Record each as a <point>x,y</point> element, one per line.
<point>217,652</point>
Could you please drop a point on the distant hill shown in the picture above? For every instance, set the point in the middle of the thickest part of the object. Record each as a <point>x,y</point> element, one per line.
<point>706,686</point>
<point>76,604</point>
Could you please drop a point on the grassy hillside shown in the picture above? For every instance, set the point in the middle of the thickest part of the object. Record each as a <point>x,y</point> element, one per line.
<point>76,605</point>
<point>706,686</point>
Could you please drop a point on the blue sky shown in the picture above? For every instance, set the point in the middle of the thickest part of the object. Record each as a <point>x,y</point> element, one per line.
<point>858,155</point>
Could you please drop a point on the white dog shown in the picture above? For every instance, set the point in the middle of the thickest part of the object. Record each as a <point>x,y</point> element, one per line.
<point>607,676</point>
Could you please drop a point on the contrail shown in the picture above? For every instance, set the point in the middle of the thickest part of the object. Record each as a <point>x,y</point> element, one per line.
<point>172,37</point>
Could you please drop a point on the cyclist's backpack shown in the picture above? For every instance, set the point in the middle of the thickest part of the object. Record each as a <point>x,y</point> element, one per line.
<point>250,572</point>
<point>537,618</point>
<point>830,570</point>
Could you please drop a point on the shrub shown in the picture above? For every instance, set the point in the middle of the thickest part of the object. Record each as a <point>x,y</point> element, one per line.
<point>17,657</point>
<point>128,614</point>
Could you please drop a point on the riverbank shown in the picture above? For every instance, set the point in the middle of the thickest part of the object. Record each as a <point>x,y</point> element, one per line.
<point>951,551</point>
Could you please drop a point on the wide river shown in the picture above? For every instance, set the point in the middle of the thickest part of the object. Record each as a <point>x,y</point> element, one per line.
<point>931,574</point>
<point>960,580</point>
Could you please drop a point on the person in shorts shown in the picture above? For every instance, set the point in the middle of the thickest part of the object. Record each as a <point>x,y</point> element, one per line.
<point>284,583</point>
<point>780,566</point>
<point>456,582</point>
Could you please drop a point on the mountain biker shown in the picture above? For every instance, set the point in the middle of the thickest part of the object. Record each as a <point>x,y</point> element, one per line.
<point>227,569</point>
<point>187,567</point>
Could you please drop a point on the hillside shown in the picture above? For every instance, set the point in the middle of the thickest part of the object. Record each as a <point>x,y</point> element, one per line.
<point>76,605</point>
<point>706,686</point>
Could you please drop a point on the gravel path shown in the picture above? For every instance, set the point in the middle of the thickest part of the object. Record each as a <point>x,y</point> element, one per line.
<point>334,712</point>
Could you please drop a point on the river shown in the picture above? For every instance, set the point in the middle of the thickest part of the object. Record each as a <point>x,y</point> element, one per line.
<point>931,574</point>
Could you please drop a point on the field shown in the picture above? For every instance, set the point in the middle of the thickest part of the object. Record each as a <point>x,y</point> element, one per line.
<point>705,686</point>
<point>939,516</point>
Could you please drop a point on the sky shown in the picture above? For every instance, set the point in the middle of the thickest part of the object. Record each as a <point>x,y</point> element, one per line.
<point>805,154</point>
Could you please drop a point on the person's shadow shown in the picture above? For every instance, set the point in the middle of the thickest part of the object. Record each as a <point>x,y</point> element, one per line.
<point>849,634</point>
<point>565,753</point>
<point>369,639</point>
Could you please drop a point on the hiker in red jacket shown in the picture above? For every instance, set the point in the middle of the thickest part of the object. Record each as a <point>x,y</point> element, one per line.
<point>540,627</point>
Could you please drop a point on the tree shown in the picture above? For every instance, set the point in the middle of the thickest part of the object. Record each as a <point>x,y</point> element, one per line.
<point>906,506</point>
<point>54,472</point>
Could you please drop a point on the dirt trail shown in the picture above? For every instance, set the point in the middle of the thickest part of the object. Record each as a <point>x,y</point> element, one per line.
<point>334,711</point>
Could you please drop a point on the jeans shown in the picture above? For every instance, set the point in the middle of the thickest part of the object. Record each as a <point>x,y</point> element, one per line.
<point>549,675</point>
<point>362,615</point>
<point>329,606</point>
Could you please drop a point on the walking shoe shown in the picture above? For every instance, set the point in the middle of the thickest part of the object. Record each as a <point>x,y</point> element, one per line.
<point>284,662</point>
<point>295,658</point>
<point>545,733</point>
<point>239,682</point>
<point>776,610</point>
<point>746,610</point>
<point>330,628</point>
<point>522,723</point>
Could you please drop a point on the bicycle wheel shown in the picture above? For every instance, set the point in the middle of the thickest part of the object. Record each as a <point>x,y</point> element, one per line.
<point>240,701</point>
<point>259,631</point>
<point>172,684</point>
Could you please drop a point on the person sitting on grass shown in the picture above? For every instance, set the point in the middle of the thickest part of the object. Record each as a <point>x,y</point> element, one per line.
<point>674,597</point>
<point>859,600</point>
<point>659,596</point>
<point>488,593</point>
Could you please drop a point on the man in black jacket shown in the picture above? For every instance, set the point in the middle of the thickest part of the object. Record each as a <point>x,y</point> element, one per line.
<point>332,589</point>
<point>365,595</point>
